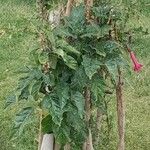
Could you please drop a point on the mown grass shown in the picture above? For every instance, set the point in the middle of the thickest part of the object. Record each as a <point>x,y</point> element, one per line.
<point>16,38</point>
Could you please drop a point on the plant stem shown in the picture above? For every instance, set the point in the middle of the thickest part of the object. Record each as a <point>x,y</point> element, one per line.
<point>120,111</point>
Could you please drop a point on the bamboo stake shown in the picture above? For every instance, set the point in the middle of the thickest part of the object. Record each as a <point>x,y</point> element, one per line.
<point>120,112</point>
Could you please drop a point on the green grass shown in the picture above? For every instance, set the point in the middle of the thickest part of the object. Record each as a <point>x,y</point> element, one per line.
<point>15,40</point>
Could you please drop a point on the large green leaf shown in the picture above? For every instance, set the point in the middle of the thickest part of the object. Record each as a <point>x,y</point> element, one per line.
<point>25,93</point>
<point>91,65</point>
<point>79,101</point>
<point>49,79</point>
<point>98,88</point>
<point>77,124</point>
<point>43,57</point>
<point>11,99</point>
<point>35,89</point>
<point>22,118</point>
<point>63,94</point>
<point>47,124</point>
<point>112,68</point>
<point>66,47</point>
<point>76,20</point>
<point>69,60</point>
<point>80,79</point>
<point>62,132</point>
<point>55,106</point>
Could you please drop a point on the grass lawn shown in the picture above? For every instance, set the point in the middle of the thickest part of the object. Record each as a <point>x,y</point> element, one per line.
<point>15,40</point>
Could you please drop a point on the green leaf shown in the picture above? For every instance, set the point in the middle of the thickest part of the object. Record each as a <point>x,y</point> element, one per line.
<point>24,82</point>
<point>53,59</point>
<point>80,79</point>
<point>63,32</point>
<point>90,65</point>
<point>24,93</point>
<point>77,124</point>
<point>47,124</point>
<point>34,56</point>
<point>79,101</point>
<point>98,87</point>
<point>46,102</point>
<point>24,69</point>
<point>91,30</point>
<point>35,89</point>
<point>49,79</point>
<point>76,20</point>
<point>66,47</point>
<point>63,94</point>
<point>69,60</point>
<point>99,48</point>
<point>36,73</point>
<point>11,99</point>
<point>22,119</point>
<point>112,66</point>
<point>62,132</point>
<point>43,57</point>
<point>55,107</point>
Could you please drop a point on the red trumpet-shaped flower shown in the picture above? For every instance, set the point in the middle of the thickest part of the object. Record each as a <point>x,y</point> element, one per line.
<point>137,65</point>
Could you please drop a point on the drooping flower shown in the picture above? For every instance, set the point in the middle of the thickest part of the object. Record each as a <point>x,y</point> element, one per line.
<point>137,65</point>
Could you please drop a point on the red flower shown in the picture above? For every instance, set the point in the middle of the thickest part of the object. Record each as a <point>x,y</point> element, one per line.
<point>137,65</point>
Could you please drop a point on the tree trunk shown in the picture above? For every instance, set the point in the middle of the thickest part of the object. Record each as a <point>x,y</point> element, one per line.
<point>98,127</point>
<point>88,145</point>
<point>69,7</point>
<point>57,146</point>
<point>67,147</point>
<point>41,9</point>
<point>48,142</point>
<point>120,112</point>
<point>88,4</point>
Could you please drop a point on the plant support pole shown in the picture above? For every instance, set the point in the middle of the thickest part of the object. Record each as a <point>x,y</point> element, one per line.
<point>120,112</point>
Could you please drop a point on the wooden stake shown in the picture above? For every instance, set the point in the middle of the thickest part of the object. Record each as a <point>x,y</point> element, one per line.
<point>120,112</point>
